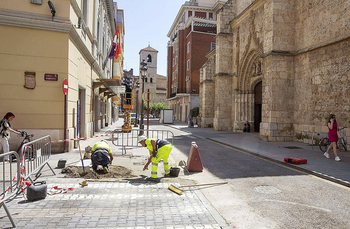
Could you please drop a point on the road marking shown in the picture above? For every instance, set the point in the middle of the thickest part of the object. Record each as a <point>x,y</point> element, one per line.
<point>304,205</point>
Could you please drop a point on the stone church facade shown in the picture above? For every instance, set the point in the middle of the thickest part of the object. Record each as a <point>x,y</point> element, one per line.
<point>281,65</point>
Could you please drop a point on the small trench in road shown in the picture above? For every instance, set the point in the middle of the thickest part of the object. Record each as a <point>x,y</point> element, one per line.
<point>114,171</point>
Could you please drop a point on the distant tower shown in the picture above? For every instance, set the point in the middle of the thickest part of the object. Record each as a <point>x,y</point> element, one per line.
<point>149,54</point>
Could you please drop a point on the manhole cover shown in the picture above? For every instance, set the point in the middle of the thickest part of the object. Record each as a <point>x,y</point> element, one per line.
<point>267,189</point>
<point>292,147</point>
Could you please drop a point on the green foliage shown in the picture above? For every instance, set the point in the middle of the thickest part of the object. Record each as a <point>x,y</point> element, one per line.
<point>301,136</point>
<point>195,112</point>
<point>154,108</point>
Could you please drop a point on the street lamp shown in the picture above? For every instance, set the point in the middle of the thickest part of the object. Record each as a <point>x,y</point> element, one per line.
<point>143,72</point>
<point>137,86</point>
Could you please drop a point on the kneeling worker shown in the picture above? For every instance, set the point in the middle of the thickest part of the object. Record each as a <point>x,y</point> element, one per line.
<point>158,149</point>
<point>101,154</point>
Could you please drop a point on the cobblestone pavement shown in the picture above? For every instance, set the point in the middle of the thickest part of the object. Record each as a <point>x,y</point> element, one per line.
<point>112,205</point>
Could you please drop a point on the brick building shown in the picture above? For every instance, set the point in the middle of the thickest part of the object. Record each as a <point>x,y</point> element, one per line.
<point>192,36</point>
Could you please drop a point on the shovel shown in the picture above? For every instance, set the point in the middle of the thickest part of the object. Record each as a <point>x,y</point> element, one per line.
<point>82,160</point>
<point>179,190</point>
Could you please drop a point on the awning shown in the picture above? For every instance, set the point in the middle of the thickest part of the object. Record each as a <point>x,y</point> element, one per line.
<point>110,87</point>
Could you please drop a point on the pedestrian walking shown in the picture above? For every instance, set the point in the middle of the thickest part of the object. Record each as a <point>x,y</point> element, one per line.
<point>101,154</point>
<point>332,136</point>
<point>189,121</point>
<point>158,150</point>
<point>5,129</point>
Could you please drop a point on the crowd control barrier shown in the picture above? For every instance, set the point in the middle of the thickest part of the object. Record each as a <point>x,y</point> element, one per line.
<point>128,138</point>
<point>36,154</point>
<point>10,179</point>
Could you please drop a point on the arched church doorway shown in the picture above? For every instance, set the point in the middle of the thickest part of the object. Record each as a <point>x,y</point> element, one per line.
<point>257,106</point>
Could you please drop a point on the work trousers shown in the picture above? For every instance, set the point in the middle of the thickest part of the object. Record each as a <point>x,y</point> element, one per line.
<point>99,157</point>
<point>162,153</point>
<point>4,145</point>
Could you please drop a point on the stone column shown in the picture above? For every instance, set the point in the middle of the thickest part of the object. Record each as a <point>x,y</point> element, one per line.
<point>278,84</point>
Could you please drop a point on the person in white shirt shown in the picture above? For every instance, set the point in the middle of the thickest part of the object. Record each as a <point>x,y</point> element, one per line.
<point>5,129</point>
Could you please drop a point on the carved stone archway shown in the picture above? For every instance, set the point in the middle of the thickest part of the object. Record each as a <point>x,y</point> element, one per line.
<point>250,75</point>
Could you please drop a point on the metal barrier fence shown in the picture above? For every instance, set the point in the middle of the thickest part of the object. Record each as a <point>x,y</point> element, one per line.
<point>10,180</point>
<point>37,154</point>
<point>128,138</point>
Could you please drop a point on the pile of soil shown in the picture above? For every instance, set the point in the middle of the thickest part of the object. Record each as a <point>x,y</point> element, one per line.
<point>114,172</point>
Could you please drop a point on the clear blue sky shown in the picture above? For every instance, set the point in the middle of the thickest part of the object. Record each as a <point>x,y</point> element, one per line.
<point>147,22</point>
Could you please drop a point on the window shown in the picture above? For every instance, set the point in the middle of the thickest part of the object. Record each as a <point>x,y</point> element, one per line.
<point>120,16</point>
<point>149,58</point>
<point>151,80</point>
<point>146,80</point>
<point>213,45</point>
<point>188,46</point>
<point>188,64</point>
<point>98,31</point>
<point>85,11</point>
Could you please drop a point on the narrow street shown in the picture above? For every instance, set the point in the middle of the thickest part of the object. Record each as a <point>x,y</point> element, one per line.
<point>262,194</point>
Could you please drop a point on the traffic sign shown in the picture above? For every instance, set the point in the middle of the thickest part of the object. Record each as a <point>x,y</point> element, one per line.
<point>65,87</point>
<point>151,96</point>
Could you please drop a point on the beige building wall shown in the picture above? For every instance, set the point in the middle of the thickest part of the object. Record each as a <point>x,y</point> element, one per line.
<point>32,40</point>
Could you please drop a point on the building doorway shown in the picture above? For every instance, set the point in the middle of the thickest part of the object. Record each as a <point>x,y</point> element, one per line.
<point>81,113</point>
<point>257,106</point>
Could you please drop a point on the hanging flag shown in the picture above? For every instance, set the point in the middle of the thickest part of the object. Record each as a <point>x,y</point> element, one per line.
<point>113,51</point>
<point>118,51</point>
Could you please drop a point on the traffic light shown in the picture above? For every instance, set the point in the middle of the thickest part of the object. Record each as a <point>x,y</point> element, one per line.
<point>127,81</point>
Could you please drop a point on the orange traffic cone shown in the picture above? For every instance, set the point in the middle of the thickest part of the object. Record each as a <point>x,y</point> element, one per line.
<point>194,162</point>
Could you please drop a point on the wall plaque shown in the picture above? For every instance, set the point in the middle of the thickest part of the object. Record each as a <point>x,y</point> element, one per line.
<point>50,77</point>
<point>29,80</point>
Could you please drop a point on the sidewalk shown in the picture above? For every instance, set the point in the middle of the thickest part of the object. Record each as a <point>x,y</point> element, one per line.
<point>113,203</point>
<point>317,164</point>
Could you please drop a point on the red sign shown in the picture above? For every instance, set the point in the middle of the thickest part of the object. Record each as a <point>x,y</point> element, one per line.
<point>50,77</point>
<point>65,87</point>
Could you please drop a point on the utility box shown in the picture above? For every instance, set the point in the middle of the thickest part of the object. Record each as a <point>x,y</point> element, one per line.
<point>167,116</point>
<point>38,2</point>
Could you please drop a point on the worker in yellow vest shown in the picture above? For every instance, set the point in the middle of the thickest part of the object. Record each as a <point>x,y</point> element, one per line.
<point>158,149</point>
<point>101,155</point>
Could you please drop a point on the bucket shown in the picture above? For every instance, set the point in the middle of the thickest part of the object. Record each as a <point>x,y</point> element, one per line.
<point>174,172</point>
<point>61,163</point>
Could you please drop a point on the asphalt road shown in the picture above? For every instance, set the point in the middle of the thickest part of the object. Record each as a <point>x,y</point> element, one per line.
<point>262,194</point>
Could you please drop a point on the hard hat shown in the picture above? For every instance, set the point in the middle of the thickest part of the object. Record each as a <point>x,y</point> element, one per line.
<point>141,138</point>
<point>104,141</point>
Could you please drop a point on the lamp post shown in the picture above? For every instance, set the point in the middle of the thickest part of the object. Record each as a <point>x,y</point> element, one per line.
<point>137,86</point>
<point>143,72</point>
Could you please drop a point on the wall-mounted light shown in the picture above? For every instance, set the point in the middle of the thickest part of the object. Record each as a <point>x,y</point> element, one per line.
<point>79,23</point>
<point>52,8</point>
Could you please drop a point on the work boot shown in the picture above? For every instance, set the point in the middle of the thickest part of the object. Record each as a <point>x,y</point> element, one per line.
<point>154,180</point>
<point>105,169</point>
<point>167,175</point>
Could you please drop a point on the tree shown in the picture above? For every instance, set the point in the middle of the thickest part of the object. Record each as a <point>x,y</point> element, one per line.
<point>155,108</point>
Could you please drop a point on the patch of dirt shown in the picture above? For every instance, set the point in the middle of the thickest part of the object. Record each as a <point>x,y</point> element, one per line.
<point>114,172</point>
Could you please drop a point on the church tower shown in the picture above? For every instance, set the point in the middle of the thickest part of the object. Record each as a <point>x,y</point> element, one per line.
<point>149,54</point>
